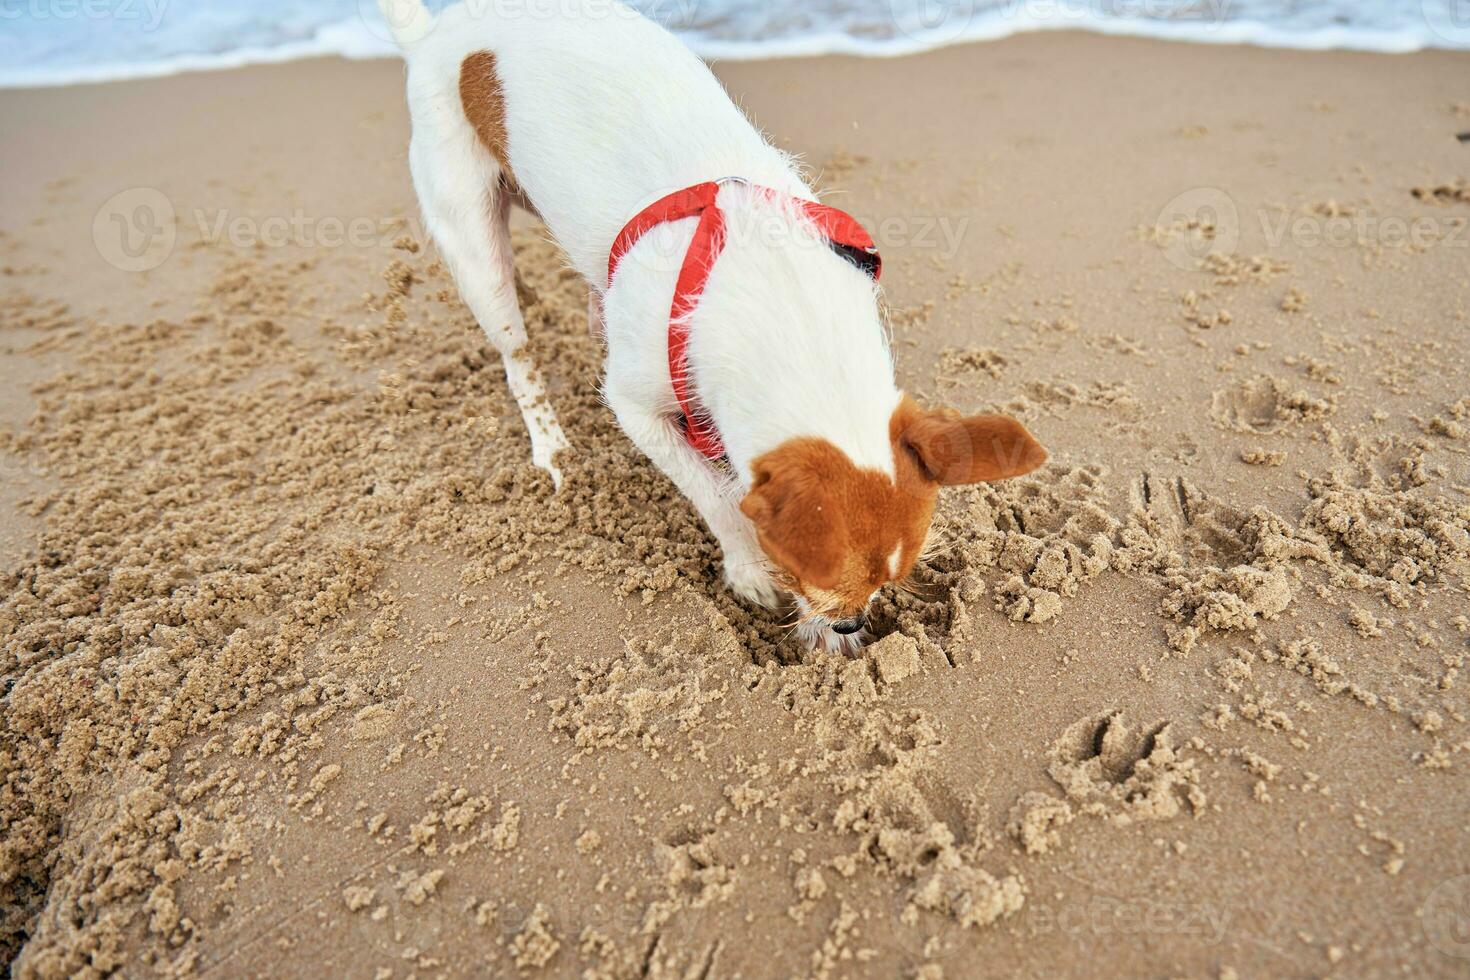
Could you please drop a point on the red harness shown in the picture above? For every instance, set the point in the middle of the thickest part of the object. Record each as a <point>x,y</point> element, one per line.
<point>840,230</point>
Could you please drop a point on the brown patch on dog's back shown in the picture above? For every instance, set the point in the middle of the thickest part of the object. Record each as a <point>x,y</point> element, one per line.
<point>483,99</point>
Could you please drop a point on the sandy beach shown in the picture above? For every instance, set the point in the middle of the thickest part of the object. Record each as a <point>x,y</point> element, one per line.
<point>308,672</point>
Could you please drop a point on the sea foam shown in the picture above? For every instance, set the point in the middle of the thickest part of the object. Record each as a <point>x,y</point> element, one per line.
<point>58,42</point>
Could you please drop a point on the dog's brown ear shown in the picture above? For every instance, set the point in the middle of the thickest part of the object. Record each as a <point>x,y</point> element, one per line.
<point>796,516</point>
<point>955,450</point>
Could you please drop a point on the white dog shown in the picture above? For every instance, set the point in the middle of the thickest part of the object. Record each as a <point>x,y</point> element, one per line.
<point>746,355</point>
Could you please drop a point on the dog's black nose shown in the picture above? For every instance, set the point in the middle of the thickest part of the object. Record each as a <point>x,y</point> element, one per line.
<point>847,627</point>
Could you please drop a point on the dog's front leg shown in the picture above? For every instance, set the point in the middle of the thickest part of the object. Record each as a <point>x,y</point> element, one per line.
<point>714,494</point>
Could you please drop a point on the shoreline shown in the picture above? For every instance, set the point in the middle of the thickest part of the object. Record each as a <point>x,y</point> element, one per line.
<point>354,41</point>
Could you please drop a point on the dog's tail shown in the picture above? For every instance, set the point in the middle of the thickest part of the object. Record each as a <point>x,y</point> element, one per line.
<point>409,20</point>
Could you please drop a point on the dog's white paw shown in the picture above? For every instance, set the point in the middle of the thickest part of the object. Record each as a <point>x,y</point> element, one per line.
<point>544,449</point>
<point>748,578</point>
<point>552,469</point>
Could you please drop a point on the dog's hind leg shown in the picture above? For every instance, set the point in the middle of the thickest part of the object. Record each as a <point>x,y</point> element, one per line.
<point>469,218</point>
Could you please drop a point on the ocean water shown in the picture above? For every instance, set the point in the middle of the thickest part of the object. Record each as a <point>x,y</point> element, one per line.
<point>45,42</point>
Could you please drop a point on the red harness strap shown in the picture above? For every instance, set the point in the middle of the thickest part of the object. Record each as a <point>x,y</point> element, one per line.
<point>841,230</point>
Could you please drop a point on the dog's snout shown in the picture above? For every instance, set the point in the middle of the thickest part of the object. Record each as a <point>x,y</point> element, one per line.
<point>847,627</point>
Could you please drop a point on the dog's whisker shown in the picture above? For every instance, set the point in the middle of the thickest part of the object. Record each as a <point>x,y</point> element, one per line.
<point>753,564</point>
